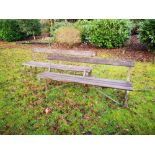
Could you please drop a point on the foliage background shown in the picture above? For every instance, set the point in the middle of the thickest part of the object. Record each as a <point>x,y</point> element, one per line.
<point>12,30</point>
<point>147,34</point>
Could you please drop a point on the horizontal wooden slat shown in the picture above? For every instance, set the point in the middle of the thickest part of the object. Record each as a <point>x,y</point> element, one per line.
<point>58,66</point>
<point>87,80</point>
<point>91,60</point>
<point>37,64</point>
<point>64,52</point>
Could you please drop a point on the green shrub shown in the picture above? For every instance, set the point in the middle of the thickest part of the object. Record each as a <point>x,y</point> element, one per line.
<point>147,34</point>
<point>84,27</point>
<point>57,25</point>
<point>109,33</point>
<point>12,30</point>
<point>9,30</point>
<point>68,35</point>
<point>135,25</point>
<point>30,27</point>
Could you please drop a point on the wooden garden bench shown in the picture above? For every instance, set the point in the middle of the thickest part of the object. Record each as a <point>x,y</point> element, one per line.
<point>36,64</point>
<point>86,78</point>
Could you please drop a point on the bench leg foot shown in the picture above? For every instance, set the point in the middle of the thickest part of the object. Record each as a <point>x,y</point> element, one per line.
<point>126,99</point>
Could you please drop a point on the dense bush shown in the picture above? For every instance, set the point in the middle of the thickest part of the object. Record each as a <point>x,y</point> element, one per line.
<point>58,25</point>
<point>68,35</point>
<point>9,30</point>
<point>30,27</point>
<point>109,33</point>
<point>147,34</point>
<point>84,27</point>
<point>12,30</point>
<point>135,25</point>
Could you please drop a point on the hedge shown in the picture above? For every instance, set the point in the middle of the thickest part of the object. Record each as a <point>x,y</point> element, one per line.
<point>12,30</point>
<point>9,30</point>
<point>84,27</point>
<point>109,33</point>
<point>147,34</point>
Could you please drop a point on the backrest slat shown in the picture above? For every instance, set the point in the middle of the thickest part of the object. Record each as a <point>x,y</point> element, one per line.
<point>66,52</point>
<point>91,60</point>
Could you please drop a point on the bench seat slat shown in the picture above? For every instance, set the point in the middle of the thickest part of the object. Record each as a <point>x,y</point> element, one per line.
<point>37,64</point>
<point>58,66</point>
<point>125,85</point>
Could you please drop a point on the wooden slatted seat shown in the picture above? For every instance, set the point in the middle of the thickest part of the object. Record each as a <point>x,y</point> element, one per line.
<point>124,85</point>
<point>58,66</point>
<point>37,64</point>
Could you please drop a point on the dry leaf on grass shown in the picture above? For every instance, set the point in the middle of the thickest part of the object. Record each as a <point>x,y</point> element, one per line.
<point>48,110</point>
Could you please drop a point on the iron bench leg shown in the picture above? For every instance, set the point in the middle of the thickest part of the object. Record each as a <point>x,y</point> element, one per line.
<point>126,99</point>
<point>107,96</point>
<point>127,92</point>
<point>86,74</point>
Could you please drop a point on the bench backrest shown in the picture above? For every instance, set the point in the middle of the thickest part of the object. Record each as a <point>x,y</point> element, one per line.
<point>91,60</point>
<point>66,52</point>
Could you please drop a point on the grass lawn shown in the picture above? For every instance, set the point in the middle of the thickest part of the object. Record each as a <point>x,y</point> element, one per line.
<point>75,109</point>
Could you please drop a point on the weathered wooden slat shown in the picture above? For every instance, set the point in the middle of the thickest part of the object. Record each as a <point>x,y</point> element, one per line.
<point>100,81</point>
<point>58,66</point>
<point>121,82</point>
<point>91,60</point>
<point>37,64</point>
<point>87,80</point>
<point>64,52</point>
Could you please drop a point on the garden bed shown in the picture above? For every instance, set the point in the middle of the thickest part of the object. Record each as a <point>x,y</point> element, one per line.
<point>133,50</point>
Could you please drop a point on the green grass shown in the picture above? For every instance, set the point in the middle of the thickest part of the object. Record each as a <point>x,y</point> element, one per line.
<point>76,109</point>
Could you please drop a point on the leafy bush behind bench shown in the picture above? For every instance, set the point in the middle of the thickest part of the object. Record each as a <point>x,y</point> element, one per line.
<point>135,25</point>
<point>109,33</point>
<point>84,27</point>
<point>147,34</point>
<point>9,30</point>
<point>30,27</point>
<point>12,30</point>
